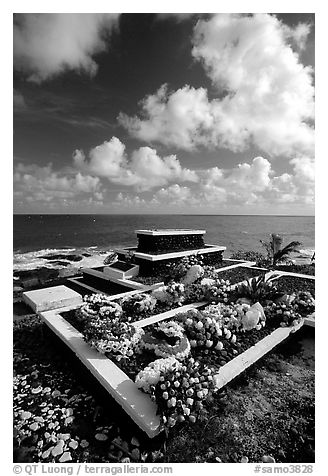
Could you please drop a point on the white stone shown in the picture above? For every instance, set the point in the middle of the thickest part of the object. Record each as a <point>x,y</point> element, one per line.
<point>65,457</point>
<point>58,449</point>
<point>73,444</point>
<point>51,298</point>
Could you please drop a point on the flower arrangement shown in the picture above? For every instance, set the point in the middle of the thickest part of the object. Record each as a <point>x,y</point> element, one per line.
<point>208,289</point>
<point>304,303</point>
<point>150,375</point>
<point>217,291</point>
<point>227,315</point>
<point>283,313</point>
<point>170,329</point>
<point>178,270</point>
<point>112,335</point>
<point>171,293</point>
<point>205,330</point>
<point>210,272</point>
<point>195,272</point>
<point>195,292</point>
<point>252,317</point>
<point>167,339</point>
<point>180,391</point>
<point>138,304</point>
<point>99,305</point>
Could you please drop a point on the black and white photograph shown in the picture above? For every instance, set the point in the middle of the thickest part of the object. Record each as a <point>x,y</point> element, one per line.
<point>163,240</point>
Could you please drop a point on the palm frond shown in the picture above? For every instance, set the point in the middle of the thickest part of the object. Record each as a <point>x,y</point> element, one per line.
<point>292,246</point>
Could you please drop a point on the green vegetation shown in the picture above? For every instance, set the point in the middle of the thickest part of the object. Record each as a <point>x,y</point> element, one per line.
<point>275,252</point>
<point>258,289</point>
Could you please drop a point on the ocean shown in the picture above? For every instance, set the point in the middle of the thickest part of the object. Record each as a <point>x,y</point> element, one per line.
<point>37,237</point>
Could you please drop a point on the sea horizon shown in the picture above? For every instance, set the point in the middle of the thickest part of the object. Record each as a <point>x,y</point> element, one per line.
<point>91,236</point>
<point>166,214</point>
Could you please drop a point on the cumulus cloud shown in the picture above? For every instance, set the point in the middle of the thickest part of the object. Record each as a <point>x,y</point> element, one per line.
<point>184,118</point>
<point>47,44</point>
<point>143,170</point>
<point>265,96</point>
<point>254,184</point>
<point>175,195</point>
<point>36,183</point>
<point>298,34</point>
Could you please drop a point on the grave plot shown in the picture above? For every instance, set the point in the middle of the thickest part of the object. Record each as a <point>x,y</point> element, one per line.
<point>157,249</point>
<point>178,358</point>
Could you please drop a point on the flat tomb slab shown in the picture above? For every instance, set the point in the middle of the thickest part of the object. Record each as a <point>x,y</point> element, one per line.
<point>170,231</point>
<point>51,298</point>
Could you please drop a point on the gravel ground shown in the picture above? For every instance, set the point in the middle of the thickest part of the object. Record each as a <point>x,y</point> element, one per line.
<point>235,275</point>
<point>298,268</point>
<point>291,284</point>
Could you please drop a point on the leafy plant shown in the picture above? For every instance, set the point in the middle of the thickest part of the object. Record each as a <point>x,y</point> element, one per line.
<point>275,251</point>
<point>258,289</point>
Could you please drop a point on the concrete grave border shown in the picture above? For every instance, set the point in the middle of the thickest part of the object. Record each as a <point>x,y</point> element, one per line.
<point>135,403</point>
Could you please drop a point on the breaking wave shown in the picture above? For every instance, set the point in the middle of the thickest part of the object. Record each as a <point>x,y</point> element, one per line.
<point>58,258</point>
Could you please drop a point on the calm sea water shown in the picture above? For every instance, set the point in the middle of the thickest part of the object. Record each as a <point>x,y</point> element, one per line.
<point>35,235</point>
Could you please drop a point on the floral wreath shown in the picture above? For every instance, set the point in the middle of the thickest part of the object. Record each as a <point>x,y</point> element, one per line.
<point>166,340</point>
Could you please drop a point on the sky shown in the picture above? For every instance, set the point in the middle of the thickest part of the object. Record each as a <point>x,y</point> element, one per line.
<point>164,113</point>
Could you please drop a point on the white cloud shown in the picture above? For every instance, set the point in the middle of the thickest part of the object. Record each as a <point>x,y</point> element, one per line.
<point>144,170</point>
<point>174,194</point>
<point>36,183</point>
<point>264,94</point>
<point>241,184</point>
<point>252,184</point>
<point>184,118</point>
<point>299,34</point>
<point>46,44</point>
<point>105,160</point>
